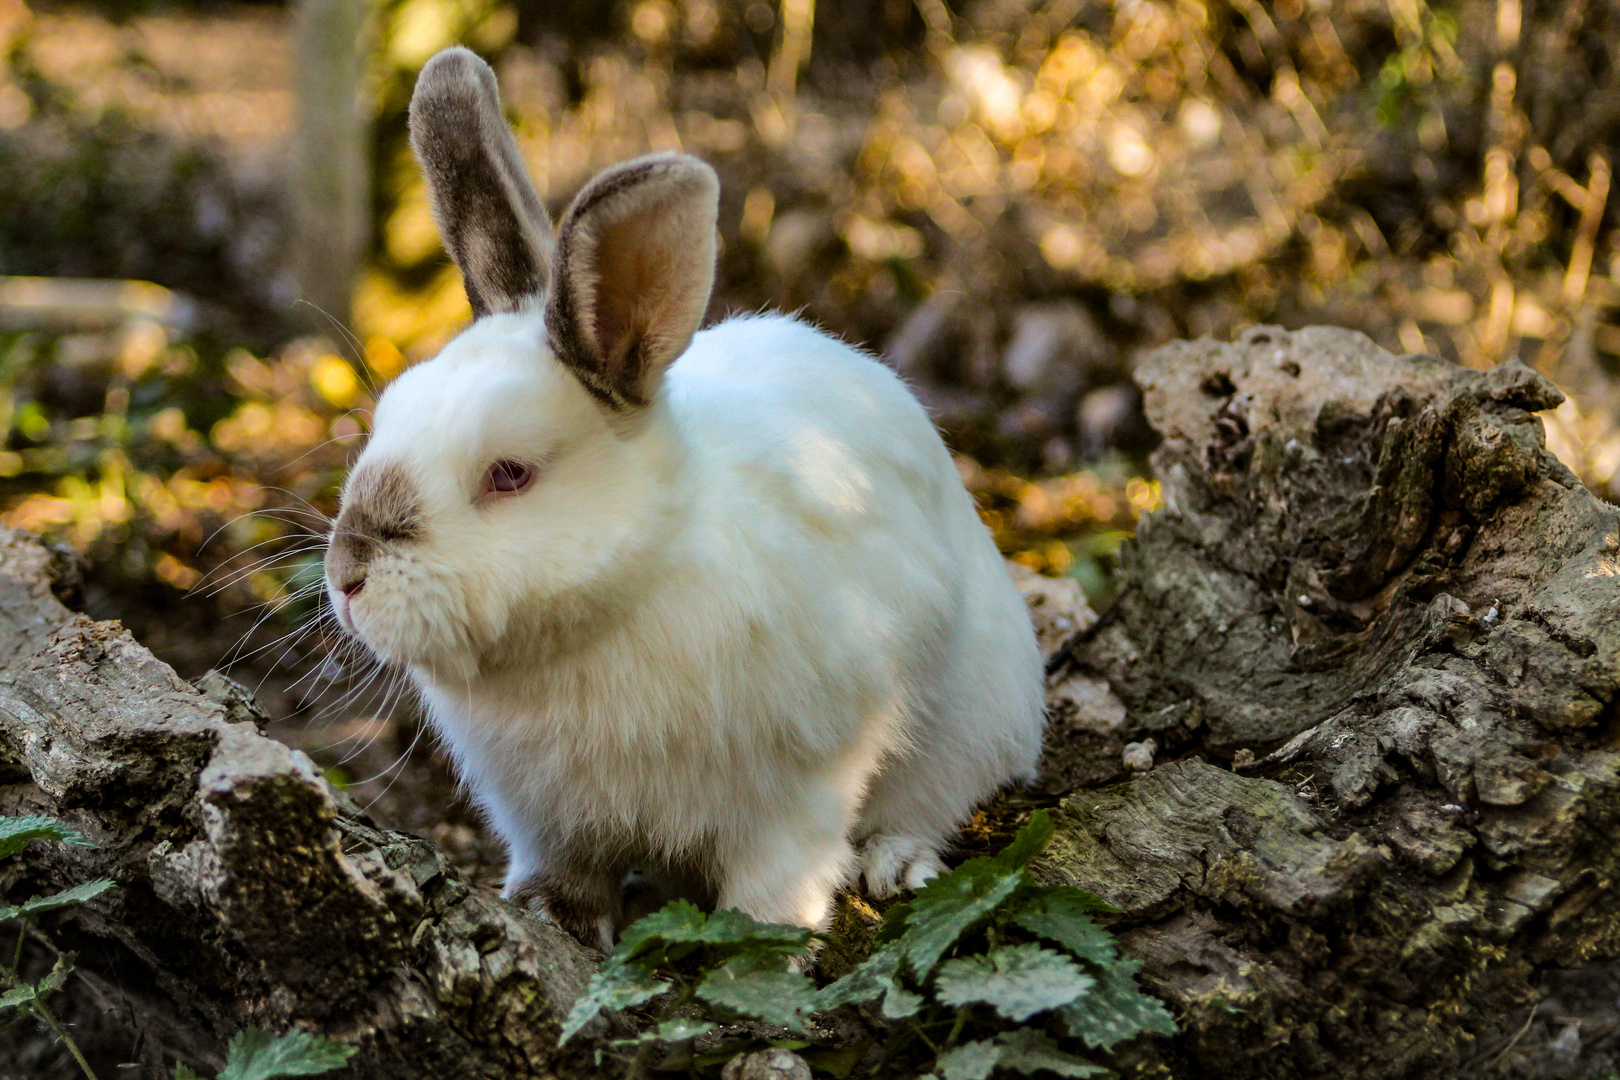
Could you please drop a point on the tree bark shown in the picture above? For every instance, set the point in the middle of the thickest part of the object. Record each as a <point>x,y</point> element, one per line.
<point>1373,634</point>
<point>1377,627</point>
<point>250,890</point>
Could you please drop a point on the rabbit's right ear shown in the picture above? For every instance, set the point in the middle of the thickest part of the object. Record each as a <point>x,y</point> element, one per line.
<point>493,222</point>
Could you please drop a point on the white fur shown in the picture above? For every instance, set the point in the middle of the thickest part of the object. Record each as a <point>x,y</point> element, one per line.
<point>756,621</point>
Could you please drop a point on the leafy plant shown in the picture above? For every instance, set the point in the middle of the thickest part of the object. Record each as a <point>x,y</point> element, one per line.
<point>259,1055</point>
<point>981,951</point>
<point>23,998</point>
<point>252,1055</point>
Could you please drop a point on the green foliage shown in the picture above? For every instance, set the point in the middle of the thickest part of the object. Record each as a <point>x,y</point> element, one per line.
<point>984,934</point>
<point>726,962</point>
<point>16,832</point>
<point>19,997</point>
<point>1025,1051</point>
<point>259,1055</point>
<point>1018,981</point>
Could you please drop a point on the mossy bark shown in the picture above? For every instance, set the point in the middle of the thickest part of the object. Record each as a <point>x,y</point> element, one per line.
<point>1374,634</point>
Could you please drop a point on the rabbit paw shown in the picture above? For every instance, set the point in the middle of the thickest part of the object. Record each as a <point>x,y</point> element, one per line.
<point>892,863</point>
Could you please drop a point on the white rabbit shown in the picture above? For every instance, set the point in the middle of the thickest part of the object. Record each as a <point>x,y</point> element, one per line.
<point>710,604</point>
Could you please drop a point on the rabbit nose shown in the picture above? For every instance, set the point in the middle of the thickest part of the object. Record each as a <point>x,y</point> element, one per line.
<point>353,586</point>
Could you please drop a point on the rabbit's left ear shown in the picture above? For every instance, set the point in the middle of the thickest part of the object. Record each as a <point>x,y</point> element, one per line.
<point>632,273</point>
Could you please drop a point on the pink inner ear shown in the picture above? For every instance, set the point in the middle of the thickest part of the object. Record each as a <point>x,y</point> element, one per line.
<point>636,278</point>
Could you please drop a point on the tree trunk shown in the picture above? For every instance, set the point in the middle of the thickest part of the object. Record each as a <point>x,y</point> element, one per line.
<point>1373,634</point>
<point>1377,626</point>
<point>331,191</point>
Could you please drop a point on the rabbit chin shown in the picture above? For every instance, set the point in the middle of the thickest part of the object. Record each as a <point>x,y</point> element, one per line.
<point>418,624</point>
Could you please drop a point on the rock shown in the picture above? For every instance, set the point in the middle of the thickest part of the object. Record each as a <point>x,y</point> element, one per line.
<point>1138,756</point>
<point>772,1064</point>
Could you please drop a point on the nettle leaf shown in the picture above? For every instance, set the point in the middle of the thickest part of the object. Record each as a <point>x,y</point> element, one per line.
<point>17,995</point>
<point>677,1031</point>
<point>1025,1050</point>
<point>16,832</point>
<point>1028,1051</point>
<point>729,930</point>
<point>1030,842</point>
<point>679,927</point>
<point>970,1061</point>
<point>1058,913</point>
<point>616,986</point>
<point>878,976</point>
<point>1116,1010</point>
<point>678,921</point>
<point>258,1055</point>
<point>952,904</point>
<point>680,1029</point>
<point>1017,981</point>
<point>67,898</point>
<point>182,1071</point>
<point>762,991</point>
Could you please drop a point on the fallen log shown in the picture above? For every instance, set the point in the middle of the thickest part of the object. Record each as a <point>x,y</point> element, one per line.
<point>1364,660</point>
<point>1375,630</point>
<point>251,891</point>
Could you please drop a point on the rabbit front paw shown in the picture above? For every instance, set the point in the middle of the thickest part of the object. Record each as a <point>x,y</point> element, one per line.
<point>891,863</point>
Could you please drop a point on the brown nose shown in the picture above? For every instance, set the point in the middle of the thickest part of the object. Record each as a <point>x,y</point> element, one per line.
<point>353,585</point>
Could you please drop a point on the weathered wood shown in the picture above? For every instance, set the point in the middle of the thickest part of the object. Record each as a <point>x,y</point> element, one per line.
<point>250,890</point>
<point>1377,628</point>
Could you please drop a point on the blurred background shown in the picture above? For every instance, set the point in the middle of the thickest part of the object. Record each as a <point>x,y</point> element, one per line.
<point>215,248</point>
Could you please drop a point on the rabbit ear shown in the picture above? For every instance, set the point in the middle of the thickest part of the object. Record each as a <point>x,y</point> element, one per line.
<point>489,213</point>
<point>632,273</point>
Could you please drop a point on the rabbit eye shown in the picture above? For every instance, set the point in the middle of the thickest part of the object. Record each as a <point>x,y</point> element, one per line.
<point>508,476</point>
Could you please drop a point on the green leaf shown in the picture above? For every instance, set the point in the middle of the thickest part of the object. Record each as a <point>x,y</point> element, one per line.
<point>728,932</point>
<point>970,1061</point>
<point>878,976</point>
<point>1116,1010</point>
<point>1030,842</point>
<point>758,991</point>
<point>894,922</point>
<point>680,1029</point>
<point>1017,981</point>
<point>616,986</point>
<point>1058,913</point>
<point>16,832</point>
<point>1025,1050</point>
<point>950,905</point>
<point>182,1071</point>
<point>258,1055</point>
<point>670,1031</point>
<point>1028,1051</point>
<point>676,921</point>
<point>17,995</point>
<point>67,898</point>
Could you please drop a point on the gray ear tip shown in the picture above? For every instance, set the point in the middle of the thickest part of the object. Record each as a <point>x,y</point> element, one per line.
<point>451,73</point>
<point>457,58</point>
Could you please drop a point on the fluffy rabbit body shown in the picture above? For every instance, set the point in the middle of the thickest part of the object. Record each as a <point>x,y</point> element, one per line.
<point>712,604</point>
